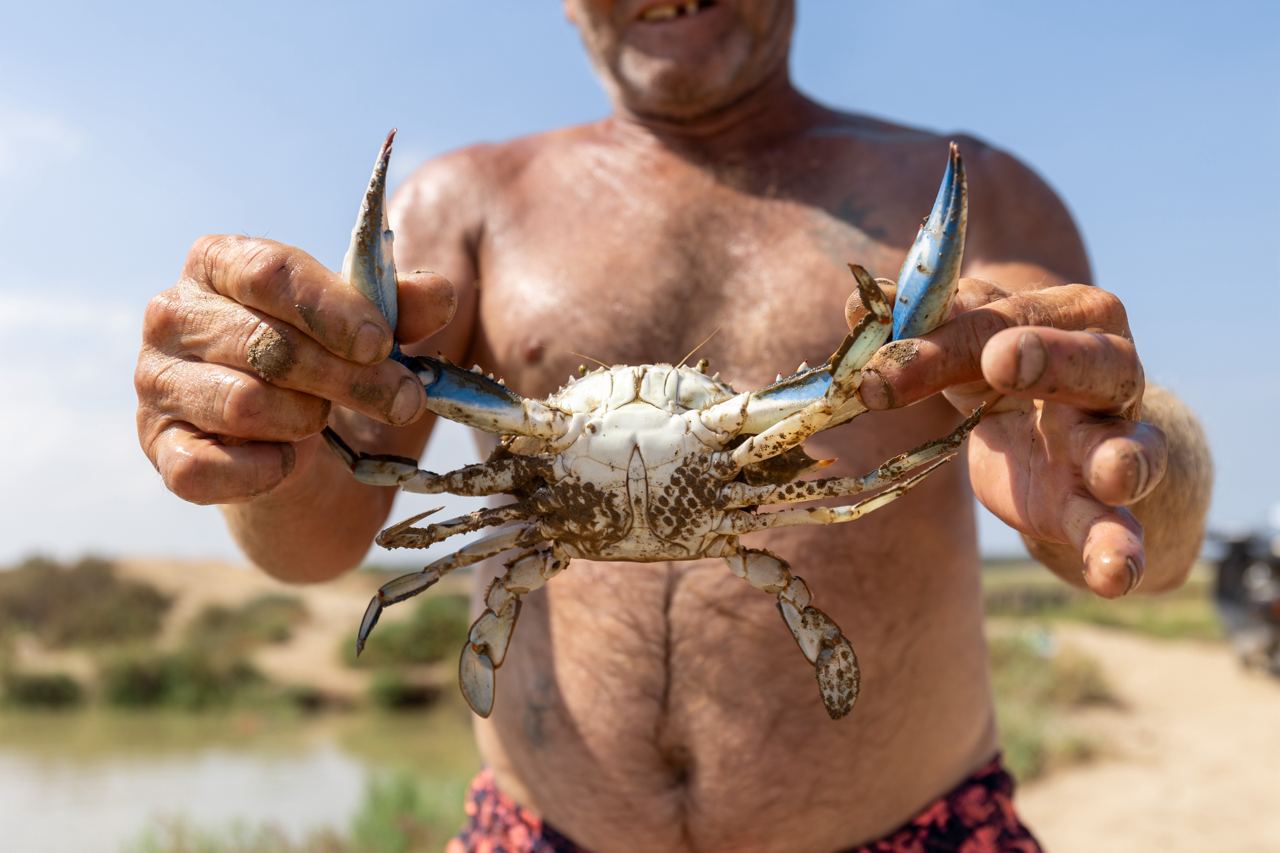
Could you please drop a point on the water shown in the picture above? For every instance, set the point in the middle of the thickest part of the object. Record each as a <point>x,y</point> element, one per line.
<point>90,781</point>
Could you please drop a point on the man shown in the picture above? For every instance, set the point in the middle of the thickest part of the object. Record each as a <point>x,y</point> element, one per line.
<point>663,706</point>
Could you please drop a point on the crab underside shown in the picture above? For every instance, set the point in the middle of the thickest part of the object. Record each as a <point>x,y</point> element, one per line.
<point>653,462</point>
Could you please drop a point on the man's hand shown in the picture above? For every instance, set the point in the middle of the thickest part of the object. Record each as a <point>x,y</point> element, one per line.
<point>242,358</point>
<point>1061,452</point>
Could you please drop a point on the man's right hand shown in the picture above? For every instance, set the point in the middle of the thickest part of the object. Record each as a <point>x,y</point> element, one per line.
<point>243,357</point>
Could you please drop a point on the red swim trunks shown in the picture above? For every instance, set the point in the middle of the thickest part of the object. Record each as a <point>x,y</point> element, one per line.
<point>977,816</point>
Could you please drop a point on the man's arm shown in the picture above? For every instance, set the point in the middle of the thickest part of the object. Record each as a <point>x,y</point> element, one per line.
<point>1061,456</point>
<point>258,347</point>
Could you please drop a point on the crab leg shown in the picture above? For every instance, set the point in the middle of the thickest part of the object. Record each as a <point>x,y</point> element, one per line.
<point>407,586</point>
<point>819,638</point>
<point>405,535</point>
<point>490,634</point>
<point>738,494</point>
<point>495,477</point>
<point>737,522</point>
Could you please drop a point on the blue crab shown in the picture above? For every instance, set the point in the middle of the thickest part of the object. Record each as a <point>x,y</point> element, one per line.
<point>653,462</point>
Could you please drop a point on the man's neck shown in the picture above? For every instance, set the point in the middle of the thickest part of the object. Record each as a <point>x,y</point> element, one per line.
<point>754,120</point>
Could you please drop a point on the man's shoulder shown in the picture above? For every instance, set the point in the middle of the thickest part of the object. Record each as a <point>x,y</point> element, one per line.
<point>921,147</point>
<point>493,164</point>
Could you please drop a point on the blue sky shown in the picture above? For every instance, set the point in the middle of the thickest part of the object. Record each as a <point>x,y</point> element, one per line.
<point>126,130</point>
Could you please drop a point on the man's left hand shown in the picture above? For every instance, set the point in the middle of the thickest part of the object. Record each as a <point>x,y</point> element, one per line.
<point>1060,452</point>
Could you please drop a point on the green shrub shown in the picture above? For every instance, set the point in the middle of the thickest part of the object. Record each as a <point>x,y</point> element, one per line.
<point>186,679</point>
<point>434,631</point>
<point>264,620</point>
<point>392,691</point>
<point>399,814</point>
<point>180,835</point>
<point>1033,593</point>
<point>1034,683</point>
<point>78,605</point>
<point>42,690</point>
<point>1027,667</point>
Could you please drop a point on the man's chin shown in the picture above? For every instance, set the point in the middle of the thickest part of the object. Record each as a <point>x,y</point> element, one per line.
<point>660,88</point>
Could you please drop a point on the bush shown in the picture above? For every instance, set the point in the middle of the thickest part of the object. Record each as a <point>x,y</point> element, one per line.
<point>434,631</point>
<point>1184,613</point>
<point>1030,669</point>
<point>187,679</point>
<point>1034,683</point>
<point>264,620</point>
<point>82,604</point>
<point>42,690</point>
<point>392,691</point>
<point>399,814</point>
<point>180,835</point>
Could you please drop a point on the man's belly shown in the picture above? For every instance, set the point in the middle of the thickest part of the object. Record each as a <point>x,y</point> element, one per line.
<point>666,706</point>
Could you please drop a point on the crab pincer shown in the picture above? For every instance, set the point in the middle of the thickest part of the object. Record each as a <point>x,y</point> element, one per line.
<point>930,275</point>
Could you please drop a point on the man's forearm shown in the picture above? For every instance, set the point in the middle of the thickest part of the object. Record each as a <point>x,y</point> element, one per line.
<point>1173,515</point>
<point>314,526</point>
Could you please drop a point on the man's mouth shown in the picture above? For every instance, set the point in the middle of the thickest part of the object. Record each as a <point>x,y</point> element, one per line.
<point>671,11</point>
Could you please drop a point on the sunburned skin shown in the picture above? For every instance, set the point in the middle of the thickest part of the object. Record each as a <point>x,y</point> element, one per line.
<point>649,701</point>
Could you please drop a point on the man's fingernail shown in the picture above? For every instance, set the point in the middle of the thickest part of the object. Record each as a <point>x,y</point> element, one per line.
<point>406,403</point>
<point>368,343</point>
<point>1135,574</point>
<point>1141,475</point>
<point>1032,360</point>
<point>875,391</point>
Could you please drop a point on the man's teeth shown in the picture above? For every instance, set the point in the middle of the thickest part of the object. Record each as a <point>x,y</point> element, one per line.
<point>672,11</point>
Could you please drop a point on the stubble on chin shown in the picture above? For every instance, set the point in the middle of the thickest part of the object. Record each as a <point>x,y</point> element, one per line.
<point>662,88</point>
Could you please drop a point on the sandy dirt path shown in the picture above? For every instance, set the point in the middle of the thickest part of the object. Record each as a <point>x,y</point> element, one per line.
<point>1192,761</point>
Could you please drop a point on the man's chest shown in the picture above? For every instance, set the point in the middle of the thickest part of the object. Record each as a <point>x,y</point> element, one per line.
<point>647,278</point>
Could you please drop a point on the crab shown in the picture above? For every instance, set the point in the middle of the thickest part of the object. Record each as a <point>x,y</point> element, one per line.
<point>652,462</point>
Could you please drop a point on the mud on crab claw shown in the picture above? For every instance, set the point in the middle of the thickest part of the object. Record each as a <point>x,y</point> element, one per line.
<point>655,461</point>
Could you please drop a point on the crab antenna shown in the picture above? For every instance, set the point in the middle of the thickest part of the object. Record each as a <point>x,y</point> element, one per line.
<point>705,341</point>
<point>589,358</point>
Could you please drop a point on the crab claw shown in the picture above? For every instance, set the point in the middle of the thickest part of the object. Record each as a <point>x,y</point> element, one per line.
<point>368,265</point>
<point>477,679</point>
<point>930,275</point>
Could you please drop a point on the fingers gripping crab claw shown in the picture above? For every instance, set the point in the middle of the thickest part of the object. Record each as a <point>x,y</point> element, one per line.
<point>653,462</point>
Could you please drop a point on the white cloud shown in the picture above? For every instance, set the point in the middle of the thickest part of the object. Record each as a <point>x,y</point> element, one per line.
<point>30,138</point>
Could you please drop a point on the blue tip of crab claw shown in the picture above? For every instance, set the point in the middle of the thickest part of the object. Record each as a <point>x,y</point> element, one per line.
<point>931,274</point>
<point>368,265</point>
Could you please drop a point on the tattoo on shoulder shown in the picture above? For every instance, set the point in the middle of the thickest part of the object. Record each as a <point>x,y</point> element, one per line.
<point>855,211</point>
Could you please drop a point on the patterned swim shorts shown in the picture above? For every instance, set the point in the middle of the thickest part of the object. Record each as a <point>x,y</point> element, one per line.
<point>976,816</point>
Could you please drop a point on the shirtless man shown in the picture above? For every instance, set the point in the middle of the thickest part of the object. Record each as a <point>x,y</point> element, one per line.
<point>665,706</point>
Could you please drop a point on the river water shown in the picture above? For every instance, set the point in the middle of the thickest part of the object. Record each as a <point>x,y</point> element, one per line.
<point>90,781</point>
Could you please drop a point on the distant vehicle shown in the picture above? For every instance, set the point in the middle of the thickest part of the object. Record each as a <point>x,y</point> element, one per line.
<point>1247,594</point>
